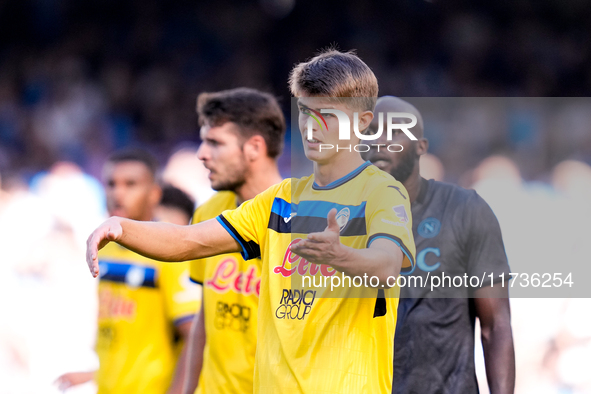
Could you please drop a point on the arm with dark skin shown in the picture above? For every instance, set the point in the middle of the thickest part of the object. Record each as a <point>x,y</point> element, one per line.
<point>494,313</point>
<point>196,345</point>
<point>176,386</point>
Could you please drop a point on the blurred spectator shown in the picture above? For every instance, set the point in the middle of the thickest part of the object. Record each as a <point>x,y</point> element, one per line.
<point>175,207</point>
<point>185,171</point>
<point>94,77</point>
<point>42,255</point>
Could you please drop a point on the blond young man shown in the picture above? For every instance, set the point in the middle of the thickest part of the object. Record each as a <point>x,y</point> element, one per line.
<point>310,341</point>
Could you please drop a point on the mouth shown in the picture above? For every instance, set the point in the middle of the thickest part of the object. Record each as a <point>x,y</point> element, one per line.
<point>211,172</point>
<point>118,211</point>
<point>313,143</point>
<point>380,163</point>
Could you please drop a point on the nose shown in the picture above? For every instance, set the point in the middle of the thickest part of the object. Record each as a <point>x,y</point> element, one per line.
<point>117,191</point>
<point>203,152</point>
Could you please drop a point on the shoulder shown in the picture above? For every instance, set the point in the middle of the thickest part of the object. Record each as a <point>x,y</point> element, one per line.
<point>377,181</point>
<point>467,203</point>
<point>214,206</point>
<point>280,190</point>
<point>455,193</point>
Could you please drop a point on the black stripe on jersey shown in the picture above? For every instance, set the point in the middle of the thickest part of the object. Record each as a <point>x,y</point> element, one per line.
<point>120,273</point>
<point>251,248</point>
<point>313,224</point>
<point>398,241</point>
<point>381,309</point>
<point>277,223</point>
<point>195,281</point>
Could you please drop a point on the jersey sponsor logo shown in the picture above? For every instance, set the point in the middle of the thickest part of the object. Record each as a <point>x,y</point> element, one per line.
<point>343,217</point>
<point>228,277</point>
<point>429,228</point>
<point>234,317</point>
<point>292,263</point>
<point>113,305</point>
<point>401,213</point>
<point>295,304</point>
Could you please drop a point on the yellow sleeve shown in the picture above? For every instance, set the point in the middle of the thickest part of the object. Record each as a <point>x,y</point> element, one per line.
<point>181,297</point>
<point>248,223</point>
<point>197,267</point>
<point>389,216</point>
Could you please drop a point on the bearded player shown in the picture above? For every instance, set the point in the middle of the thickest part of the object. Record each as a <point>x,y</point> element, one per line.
<point>242,132</point>
<point>457,233</point>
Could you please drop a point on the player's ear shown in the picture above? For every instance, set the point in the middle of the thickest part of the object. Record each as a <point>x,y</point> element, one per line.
<point>254,147</point>
<point>365,119</point>
<point>422,146</point>
<point>155,194</point>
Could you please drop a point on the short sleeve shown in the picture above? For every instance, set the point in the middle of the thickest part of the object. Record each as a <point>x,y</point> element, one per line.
<point>248,223</point>
<point>485,251</point>
<point>181,297</point>
<point>389,216</point>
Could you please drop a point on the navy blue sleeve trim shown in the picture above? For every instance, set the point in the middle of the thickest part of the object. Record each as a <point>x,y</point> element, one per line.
<point>400,244</point>
<point>381,308</point>
<point>184,319</point>
<point>195,281</point>
<point>250,250</point>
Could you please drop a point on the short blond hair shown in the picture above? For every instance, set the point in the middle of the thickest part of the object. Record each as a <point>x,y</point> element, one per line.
<point>336,74</point>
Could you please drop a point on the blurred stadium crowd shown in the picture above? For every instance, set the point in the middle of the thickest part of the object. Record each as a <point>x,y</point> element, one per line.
<point>80,79</point>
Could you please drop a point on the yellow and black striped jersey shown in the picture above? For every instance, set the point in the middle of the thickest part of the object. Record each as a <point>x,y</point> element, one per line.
<point>231,288</point>
<point>313,340</point>
<point>140,302</point>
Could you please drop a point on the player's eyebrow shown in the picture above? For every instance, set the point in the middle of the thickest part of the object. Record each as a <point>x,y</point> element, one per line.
<point>313,109</point>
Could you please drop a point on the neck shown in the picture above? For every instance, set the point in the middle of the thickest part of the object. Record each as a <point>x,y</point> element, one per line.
<point>146,217</point>
<point>413,184</point>
<point>338,167</point>
<point>261,176</point>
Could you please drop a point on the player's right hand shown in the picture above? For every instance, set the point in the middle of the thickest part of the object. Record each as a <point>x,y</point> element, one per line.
<point>110,230</point>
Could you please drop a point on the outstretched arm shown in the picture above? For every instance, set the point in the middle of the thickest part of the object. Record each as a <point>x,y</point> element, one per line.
<point>160,241</point>
<point>497,339</point>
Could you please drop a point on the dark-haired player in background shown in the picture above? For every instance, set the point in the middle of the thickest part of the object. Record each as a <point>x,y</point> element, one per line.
<point>457,233</point>
<point>242,132</point>
<point>144,305</point>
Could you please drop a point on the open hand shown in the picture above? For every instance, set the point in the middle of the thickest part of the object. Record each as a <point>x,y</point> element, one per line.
<point>110,230</point>
<point>324,247</point>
